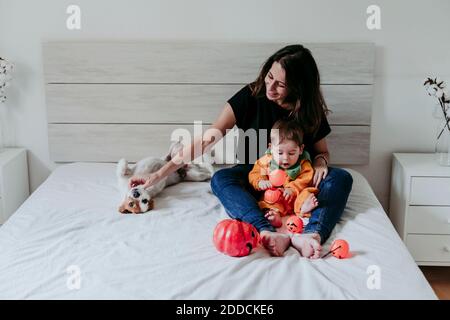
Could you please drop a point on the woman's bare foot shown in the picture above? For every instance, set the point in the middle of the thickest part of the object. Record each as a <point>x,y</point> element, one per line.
<point>274,218</point>
<point>308,244</point>
<point>310,204</point>
<point>276,243</point>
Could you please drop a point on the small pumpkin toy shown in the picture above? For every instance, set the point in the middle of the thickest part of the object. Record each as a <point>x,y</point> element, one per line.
<point>272,195</point>
<point>235,238</point>
<point>277,177</point>
<point>294,224</point>
<point>339,248</point>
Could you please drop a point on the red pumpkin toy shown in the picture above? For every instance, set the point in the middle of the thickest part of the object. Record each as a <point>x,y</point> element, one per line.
<point>294,224</point>
<point>339,248</point>
<point>277,177</point>
<point>272,195</point>
<point>235,238</point>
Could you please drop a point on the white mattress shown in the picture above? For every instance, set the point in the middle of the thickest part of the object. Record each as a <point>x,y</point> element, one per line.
<point>72,220</point>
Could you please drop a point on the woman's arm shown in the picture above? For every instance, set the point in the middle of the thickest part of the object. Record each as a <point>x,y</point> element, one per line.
<point>199,146</point>
<point>321,151</point>
<point>320,161</point>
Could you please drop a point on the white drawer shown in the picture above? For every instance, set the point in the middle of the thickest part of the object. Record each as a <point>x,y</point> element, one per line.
<point>423,219</point>
<point>429,247</point>
<point>430,191</point>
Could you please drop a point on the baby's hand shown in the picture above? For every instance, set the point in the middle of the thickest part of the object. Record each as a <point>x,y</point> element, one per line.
<point>264,184</point>
<point>288,193</point>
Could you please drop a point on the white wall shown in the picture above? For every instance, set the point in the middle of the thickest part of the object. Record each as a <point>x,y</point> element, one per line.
<point>412,44</point>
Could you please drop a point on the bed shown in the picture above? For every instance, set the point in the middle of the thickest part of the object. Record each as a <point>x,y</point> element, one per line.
<point>71,221</point>
<point>116,98</point>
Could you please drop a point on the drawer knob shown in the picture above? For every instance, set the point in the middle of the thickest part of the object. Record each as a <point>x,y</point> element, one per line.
<point>447,248</point>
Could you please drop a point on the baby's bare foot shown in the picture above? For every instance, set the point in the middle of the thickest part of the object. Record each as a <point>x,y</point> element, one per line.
<point>274,218</point>
<point>276,243</point>
<point>308,244</point>
<point>310,204</point>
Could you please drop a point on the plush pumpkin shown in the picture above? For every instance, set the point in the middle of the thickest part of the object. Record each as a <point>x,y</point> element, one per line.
<point>272,195</point>
<point>235,238</point>
<point>277,177</point>
<point>294,224</point>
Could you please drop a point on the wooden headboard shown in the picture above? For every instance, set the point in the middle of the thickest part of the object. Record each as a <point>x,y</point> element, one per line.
<point>108,100</point>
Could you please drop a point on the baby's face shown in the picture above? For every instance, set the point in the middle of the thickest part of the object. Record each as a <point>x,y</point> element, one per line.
<point>286,153</point>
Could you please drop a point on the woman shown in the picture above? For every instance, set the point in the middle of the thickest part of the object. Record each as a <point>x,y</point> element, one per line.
<point>288,86</point>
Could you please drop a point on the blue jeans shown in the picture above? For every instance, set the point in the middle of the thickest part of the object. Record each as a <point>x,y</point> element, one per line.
<point>239,198</point>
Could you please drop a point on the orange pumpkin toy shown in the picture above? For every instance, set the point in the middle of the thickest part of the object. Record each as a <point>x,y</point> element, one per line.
<point>278,177</point>
<point>294,224</point>
<point>339,248</point>
<point>273,197</point>
<point>235,238</point>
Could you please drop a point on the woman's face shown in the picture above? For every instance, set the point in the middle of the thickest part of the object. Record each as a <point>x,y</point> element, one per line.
<point>275,80</point>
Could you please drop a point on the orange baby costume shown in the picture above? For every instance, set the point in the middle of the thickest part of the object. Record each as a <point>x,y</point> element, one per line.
<point>299,179</point>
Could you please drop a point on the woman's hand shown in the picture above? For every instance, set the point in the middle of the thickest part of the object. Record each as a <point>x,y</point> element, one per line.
<point>320,171</point>
<point>136,180</point>
<point>146,180</point>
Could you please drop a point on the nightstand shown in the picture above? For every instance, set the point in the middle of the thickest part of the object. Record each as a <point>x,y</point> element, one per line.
<point>420,206</point>
<point>14,187</point>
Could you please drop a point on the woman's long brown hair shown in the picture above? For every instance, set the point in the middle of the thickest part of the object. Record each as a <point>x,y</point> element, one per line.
<point>302,82</point>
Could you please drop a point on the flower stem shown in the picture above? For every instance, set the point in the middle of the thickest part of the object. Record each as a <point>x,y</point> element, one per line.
<point>442,131</point>
<point>447,119</point>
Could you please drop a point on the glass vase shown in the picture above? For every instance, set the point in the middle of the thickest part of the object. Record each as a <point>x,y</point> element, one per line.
<point>442,147</point>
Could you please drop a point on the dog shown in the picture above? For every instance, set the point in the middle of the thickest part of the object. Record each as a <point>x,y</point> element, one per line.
<point>139,200</point>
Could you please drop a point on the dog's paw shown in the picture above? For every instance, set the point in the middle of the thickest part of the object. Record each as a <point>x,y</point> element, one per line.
<point>122,168</point>
<point>174,149</point>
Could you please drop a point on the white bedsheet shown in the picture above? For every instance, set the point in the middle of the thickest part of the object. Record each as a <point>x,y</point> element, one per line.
<point>72,220</point>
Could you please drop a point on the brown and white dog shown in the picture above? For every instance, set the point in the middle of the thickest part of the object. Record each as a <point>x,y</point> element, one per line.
<point>140,200</point>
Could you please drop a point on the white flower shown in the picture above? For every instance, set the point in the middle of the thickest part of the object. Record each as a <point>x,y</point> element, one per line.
<point>430,89</point>
<point>439,93</point>
<point>8,67</point>
<point>5,76</point>
<point>435,87</point>
<point>445,95</point>
<point>439,82</point>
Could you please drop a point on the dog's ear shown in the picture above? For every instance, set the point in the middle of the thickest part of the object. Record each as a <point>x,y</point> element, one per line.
<point>182,172</point>
<point>151,205</point>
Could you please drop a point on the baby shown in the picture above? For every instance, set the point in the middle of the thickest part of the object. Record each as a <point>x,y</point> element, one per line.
<point>286,153</point>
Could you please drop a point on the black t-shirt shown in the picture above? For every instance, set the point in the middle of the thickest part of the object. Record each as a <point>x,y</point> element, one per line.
<point>261,113</point>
